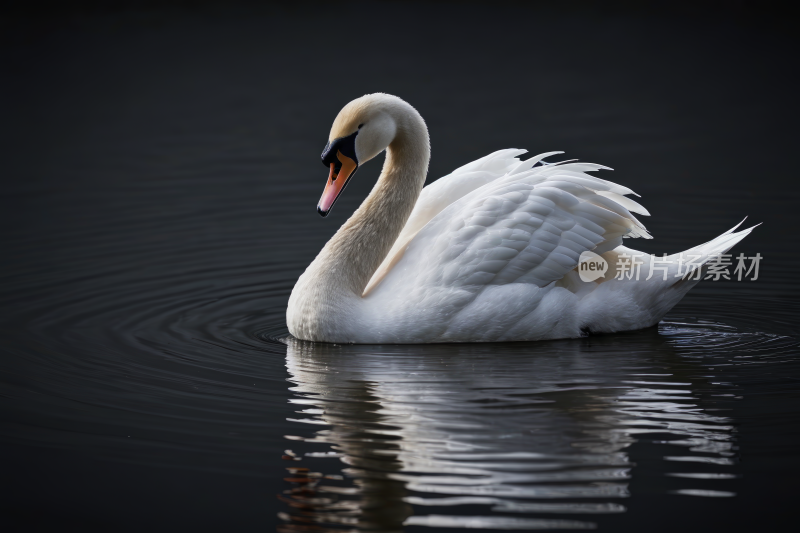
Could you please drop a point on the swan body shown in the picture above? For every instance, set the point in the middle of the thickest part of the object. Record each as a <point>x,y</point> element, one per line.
<point>487,253</point>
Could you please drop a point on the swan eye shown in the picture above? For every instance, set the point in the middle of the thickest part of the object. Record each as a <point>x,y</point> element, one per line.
<point>359,126</point>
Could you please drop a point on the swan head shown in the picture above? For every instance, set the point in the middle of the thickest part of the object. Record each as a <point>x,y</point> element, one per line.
<point>363,129</point>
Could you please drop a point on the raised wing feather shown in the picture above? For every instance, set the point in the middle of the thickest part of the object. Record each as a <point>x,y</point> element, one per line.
<point>528,225</point>
<point>442,193</point>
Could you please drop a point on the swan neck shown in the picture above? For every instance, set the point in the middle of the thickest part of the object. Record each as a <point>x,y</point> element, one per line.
<point>351,257</point>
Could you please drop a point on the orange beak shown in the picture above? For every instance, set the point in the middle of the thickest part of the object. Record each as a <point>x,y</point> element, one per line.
<point>336,183</point>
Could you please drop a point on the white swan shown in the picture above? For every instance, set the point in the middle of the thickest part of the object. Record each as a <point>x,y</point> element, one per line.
<point>486,253</point>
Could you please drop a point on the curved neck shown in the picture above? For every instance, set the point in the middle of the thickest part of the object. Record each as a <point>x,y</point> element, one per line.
<point>350,258</point>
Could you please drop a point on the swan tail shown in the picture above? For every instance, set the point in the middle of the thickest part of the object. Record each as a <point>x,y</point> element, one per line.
<point>695,262</point>
<point>664,281</point>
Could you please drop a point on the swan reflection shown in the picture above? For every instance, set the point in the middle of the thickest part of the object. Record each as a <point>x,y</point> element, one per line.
<point>512,436</point>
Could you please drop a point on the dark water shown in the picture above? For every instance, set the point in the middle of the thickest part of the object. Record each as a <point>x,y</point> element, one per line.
<point>160,177</point>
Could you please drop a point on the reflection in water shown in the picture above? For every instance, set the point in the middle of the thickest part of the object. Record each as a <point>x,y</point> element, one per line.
<point>513,436</point>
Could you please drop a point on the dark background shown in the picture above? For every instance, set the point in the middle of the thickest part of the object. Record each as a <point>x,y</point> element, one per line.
<point>692,95</point>
<point>148,140</point>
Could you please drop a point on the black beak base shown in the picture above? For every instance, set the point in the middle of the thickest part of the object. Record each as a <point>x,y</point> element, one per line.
<point>346,145</point>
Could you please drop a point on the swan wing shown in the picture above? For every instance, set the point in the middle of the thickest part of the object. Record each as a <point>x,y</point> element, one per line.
<point>436,196</point>
<point>529,225</point>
